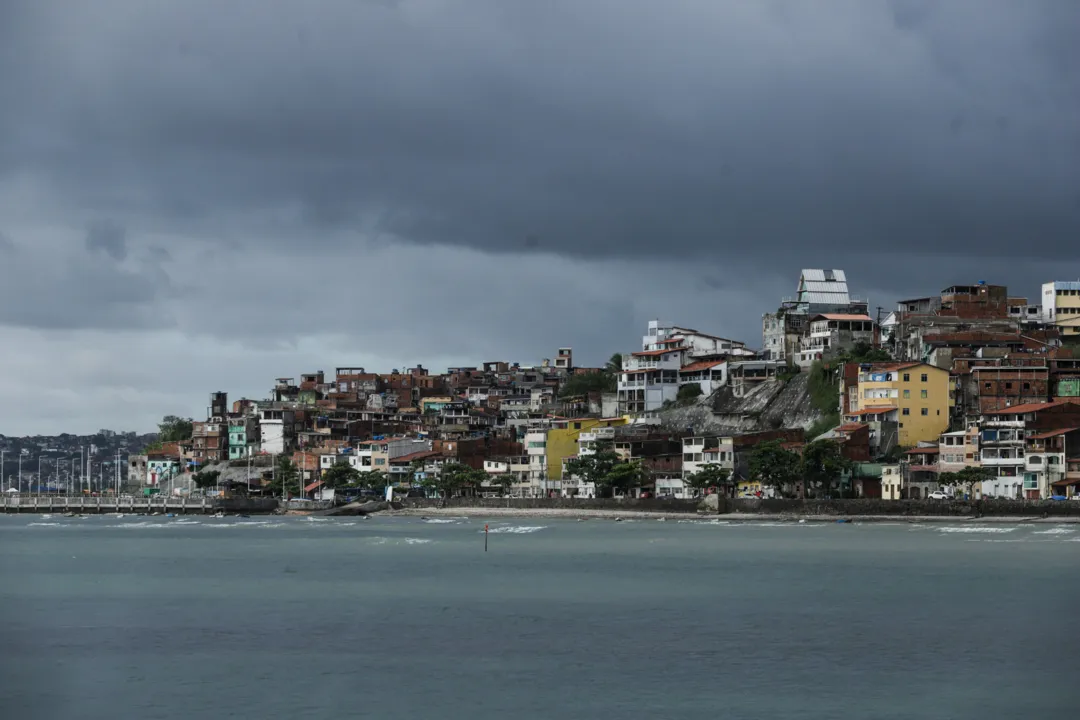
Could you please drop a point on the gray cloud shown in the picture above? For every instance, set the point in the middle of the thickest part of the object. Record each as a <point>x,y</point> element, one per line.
<point>108,237</point>
<point>605,129</point>
<point>434,180</point>
<point>55,283</point>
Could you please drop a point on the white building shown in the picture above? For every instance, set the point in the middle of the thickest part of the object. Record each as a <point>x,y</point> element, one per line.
<point>672,356</point>
<point>831,333</point>
<point>536,449</point>
<point>276,428</point>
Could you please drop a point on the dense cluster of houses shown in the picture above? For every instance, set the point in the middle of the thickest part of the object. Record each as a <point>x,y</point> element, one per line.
<point>971,377</point>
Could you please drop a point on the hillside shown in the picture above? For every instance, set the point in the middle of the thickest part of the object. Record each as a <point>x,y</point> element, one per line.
<point>773,404</point>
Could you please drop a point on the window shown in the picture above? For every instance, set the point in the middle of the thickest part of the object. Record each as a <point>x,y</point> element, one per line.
<point>922,394</point>
<point>907,377</point>
<point>907,393</point>
<point>924,377</point>
<point>577,426</point>
<point>924,411</point>
<point>1027,386</point>
<point>907,411</point>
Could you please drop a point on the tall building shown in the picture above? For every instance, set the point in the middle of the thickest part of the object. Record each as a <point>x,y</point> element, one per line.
<point>1061,307</point>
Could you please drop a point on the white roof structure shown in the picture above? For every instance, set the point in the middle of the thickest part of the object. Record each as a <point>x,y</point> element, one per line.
<point>823,287</point>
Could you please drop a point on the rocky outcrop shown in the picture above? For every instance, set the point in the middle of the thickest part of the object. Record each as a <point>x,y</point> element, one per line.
<point>771,405</point>
<point>357,508</point>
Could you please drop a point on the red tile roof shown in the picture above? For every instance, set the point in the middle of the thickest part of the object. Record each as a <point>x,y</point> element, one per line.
<point>661,351</point>
<point>851,427</point>
<point>695,367</point>
<point>923,451</point>
<point>831,316</point>
<point>312,486</point>
<point>1030,407</point>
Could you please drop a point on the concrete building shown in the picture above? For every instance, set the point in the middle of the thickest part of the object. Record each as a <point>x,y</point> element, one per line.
<point>916,396</point>
<point>535,442</point>
<point>958,450</point>
<point>892,483</point>
<point>832,333</point>
<point>277,431</point>
<point>243,436</point>
<point>1045,460</point>
<point>1061,307</point>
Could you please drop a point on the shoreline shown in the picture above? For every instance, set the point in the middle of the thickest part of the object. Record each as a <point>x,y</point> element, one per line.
<point>574,513</point>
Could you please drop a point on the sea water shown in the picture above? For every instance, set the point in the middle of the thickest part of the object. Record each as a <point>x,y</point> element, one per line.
<point>199,617</point>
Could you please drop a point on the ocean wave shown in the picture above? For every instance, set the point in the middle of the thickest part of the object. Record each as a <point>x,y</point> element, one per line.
<point>704,522</point>
<point>1055,531</point>
<point>443,521</point>
<point>44,524</point>
<point>416,541</point>
<point>516,529</point>
<point>988,530</point>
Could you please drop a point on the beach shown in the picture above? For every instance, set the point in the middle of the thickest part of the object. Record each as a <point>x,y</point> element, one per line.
<point>574,513</point>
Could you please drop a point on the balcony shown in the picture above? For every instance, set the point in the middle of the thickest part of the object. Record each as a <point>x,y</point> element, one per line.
<point>998,461</point>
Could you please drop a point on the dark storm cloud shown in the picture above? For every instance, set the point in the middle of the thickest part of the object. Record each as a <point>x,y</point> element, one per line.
<point>108,237</point>
<point>604,128</point>
<point>52,284</point>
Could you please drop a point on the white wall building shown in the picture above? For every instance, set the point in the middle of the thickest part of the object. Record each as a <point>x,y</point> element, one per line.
<point>536,449</point>
<point>276,430</point>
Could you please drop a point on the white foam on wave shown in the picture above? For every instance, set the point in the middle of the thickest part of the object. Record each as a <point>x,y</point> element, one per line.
<point>187,522</point>
<point>444,521</point>
<point>398,541</point>
<point>987,530</point>
<point>1055,531</point>
<point>317,519</point>
<point>44,524</point>
<point>516,529</point>
<point>141,524</point>
<point>704,522</point>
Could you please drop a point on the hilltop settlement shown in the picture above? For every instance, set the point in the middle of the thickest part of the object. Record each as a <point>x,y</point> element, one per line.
<point>969,392</point>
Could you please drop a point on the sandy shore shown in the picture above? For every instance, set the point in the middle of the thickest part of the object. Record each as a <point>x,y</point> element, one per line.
<point>729,517</point>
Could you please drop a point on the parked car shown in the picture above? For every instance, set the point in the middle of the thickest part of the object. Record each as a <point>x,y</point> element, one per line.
<point>939,495</point>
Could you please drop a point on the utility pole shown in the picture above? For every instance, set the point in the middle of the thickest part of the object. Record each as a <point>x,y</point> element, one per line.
<point>2,453</point>
<point>20,468</point>
<point>39,472</point>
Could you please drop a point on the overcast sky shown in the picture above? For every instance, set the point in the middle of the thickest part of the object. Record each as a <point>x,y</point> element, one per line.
<point>208,194</point>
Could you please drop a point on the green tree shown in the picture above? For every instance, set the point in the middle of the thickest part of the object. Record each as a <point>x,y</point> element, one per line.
<point>687,393</point>
<point>585,383</point>
<point>173,428</point>
<point>709,476</point>
<point>372,480</point>
<point>454,478</point>
<point>503,481</point>
<point>340,474</point>
<point>593,468</point>
<point>206,479</point>
<point>773,465</point>
<point>614,364</point>
<point>286,479</point>
<point>966,478</point>
<point>823,463</point>
<point>625,476</point>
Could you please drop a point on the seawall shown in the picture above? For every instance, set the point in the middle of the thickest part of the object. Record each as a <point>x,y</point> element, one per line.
<point>786,508</point>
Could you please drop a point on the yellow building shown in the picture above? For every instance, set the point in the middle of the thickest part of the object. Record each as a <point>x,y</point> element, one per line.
<point>1061,306</point>
<point>916,395</point>
<point>562,440</point>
